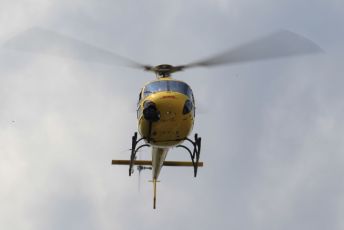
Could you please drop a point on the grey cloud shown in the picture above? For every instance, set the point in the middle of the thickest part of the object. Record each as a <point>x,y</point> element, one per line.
<point>272,136</point>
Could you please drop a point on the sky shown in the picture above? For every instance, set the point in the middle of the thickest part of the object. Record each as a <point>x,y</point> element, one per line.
<point>272,131</point>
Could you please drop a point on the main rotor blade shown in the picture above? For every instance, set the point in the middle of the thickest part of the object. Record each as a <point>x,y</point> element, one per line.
<point>280,44</point>
<point>42,41</point>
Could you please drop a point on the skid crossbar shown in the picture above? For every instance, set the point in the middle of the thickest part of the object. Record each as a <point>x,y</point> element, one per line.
<point>149,163</point>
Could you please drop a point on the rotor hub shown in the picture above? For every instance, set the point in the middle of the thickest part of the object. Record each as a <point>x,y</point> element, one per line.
<point>164,70</point>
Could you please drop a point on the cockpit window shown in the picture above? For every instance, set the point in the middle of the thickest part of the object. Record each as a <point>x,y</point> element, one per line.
<point>168,85</point>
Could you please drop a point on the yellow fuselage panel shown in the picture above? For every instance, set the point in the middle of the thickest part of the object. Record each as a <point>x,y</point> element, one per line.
<point>173,126</point>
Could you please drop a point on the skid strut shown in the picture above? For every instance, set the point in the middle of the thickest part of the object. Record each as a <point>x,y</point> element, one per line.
<point>134,150</point>
<point>195,154</point>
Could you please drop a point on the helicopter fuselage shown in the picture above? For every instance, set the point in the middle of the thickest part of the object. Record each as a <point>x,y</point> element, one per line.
<point>165,112</point>
<point>165,117</point>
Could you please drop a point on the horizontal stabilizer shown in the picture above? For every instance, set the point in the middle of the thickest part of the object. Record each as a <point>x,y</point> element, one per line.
<point>181,163</point>
<point>149,163</point>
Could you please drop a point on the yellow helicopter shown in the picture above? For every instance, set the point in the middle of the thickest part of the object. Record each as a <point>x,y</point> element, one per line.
<point>165,116</point>
<point>166,107</point>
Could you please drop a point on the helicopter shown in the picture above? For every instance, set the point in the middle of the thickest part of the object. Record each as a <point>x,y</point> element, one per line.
<point>166,106</point>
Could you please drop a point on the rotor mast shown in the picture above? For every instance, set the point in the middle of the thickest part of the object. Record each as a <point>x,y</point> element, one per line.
<point>164,70</point>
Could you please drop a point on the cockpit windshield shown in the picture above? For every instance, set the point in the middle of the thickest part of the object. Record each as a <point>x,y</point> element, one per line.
<point>167,85</point>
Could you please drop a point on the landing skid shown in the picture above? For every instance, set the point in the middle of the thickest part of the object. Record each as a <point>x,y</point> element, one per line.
<point>135,147</point>
<point>195,154</point>
<point>134,150</point>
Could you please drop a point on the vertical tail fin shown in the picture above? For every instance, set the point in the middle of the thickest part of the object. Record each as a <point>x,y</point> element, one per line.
<point>154,196</point>
<point>154,181</point>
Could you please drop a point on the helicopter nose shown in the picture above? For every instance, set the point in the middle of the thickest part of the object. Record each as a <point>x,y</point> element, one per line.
<point>150,111</point>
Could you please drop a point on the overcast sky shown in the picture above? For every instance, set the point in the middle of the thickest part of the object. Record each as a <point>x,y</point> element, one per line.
<point>273,132</point>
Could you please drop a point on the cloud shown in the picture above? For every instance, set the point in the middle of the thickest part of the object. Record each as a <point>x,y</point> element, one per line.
<point>272,136</point>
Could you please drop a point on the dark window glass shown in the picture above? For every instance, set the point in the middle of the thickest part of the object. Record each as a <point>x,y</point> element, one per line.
<point>140,96</point>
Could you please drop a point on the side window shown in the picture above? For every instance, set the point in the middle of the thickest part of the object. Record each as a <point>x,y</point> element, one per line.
<point>138,105</point>
<point>140,97</point>
<point>190,94</point>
